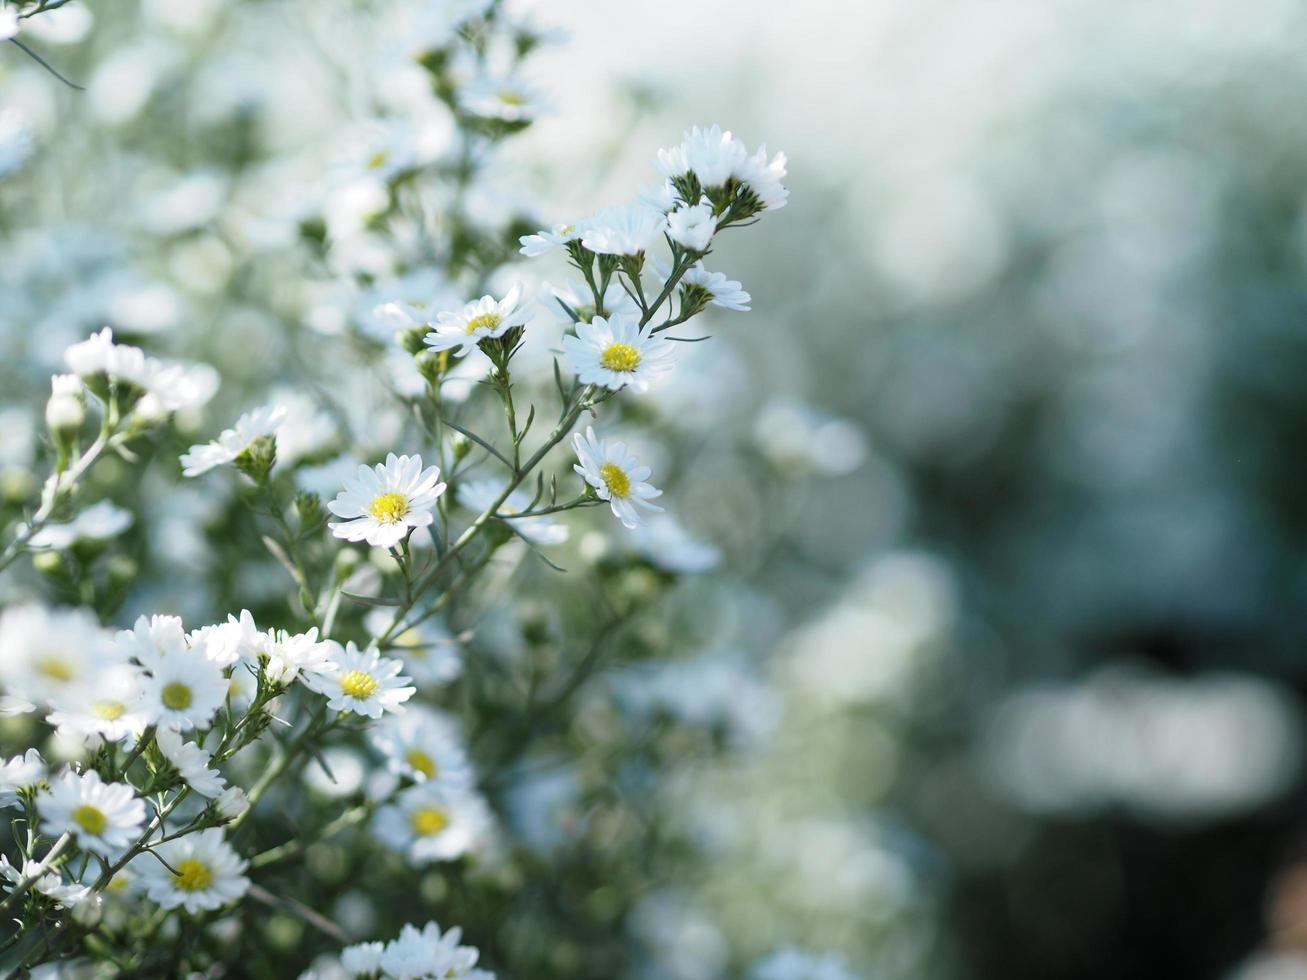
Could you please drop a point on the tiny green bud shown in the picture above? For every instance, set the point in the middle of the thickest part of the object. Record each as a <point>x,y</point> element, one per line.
<point>258,458</point>
<point>50,563</point>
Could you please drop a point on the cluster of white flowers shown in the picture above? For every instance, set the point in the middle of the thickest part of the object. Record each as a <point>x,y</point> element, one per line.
<point>414,954</point>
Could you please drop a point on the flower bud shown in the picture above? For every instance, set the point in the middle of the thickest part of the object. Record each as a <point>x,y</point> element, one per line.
<point>231,803</point>
<point>258,458</point>
<point>65,411</point>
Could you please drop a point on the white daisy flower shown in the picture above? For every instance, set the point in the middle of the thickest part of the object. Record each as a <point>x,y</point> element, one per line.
<point>107,705</point>
<point>384,502</point>
<point>105,817</point>
<point>477,495</point>
<point>184,690</point>
<point>669,546</point>
<point>362,959</point>
<point>293,656</point>
<point>616,352</point>
<point>50,883</point>
<point>713,156</point>
<point>226,643</point>
<point>191,761</point>
<point>763,178</point>
<point>428,953</point>
<point>47,651</point>
<point>506,98</point>
<point>152,639</point>
<point>99,522</point>
<point>616,476</point>
<point>661,197</point>
<point>423,745</point>
<point>692,227</point>
<point>479,320</point>
<point>232,442</point>
<point>699,286</point>
<point>431,654</point>
<point>362,681</point>
<point>433,822</point>
<point>167,387</point>
<point>209,874</point>
<point>543,242</point>
<point>626,230</point>
<point>22,772</point>
<point>94,355</point>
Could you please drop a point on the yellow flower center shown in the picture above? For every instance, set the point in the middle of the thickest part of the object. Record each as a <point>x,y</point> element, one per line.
<point>358,684</point>
<point>486,321</point>
<point>409,638</point>
<point>422,762</point>
<point>54,667</point>
<point>109,710</point>
<point>117,883</point>
<point>176,696</point>
<point>429,820</point>
<point>377,159</point>
<point>192,875</point>
<point>388,507</point>
<point>509,97</point>
<point>615,478</point>
<point>90,818</point>
<point>620,357</point>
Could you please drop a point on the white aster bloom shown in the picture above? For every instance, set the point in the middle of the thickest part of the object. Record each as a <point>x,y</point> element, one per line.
<point>477,495</point>
<point>105,817</point>
<point>382,503</point>
<point>543,242</point>
<point>423,745</point>
<point>294,656</point>
<point>426,952</point>
<point>106,705</point>
<point>616,352</point>
<point>714,288</point>
<point>231,803</point>
<point>763,178</point>
<point>626,230</point>
<point>184,690</point>
<point>191,761</point>
<point>362,958</point>
<point>661,197</point>
<point>506,98</point>
<point>232,442</point>
<point>166,387</point>
<point>226,643</point>
<point>50,883</point>
<point>572,302</point>
<point>616,476</point>
<point>669,546</point>
<point>362,681</point>
<point>47,651</point>
<point>433,822</point>
<point>209,874</point>
<point>712,154</point>
<point>479,320</point>
<point>152,639</point>
<point>22,772</point>
<point>99,522</point>
<point>692,227</point>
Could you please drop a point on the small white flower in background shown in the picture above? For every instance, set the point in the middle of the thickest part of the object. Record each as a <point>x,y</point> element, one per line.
<point>362,681</point>
<point>306,430</point>
<point>106,705</point>
<point>66,410</point>
<point>166,387</point>
<point>616,476</point>
<point>19,773</point>
<point>362,958</point>
<point>47,651</point>
<point>294,656</point>
<point>105,817</point>
<point>669,546</point>
<point>626,230</point>
<point>433,822</point>
<point>764,178</point>
<point>99,522</point>
<point>209,874</point>
<point>184,690</point>
<point>692,227</point>
<point>661,197</point>
<point>572,302</point>
<point>543,242</point>
<point>253,425</point>
<point>384,502</point>
<point>713,155</point>
<point>616,352</point>
<point>711,287</point>
<point>231,803</point>
<point>191,761</point>
<point>378,148</point>
<point>477,495</point>
<point>427,953</point>
<point>423,745</point>
<point>9,22</point>
<point>430,653</point>
<point>506,98</point>
<point>479,320</point>
<point>94,355</point>
<point>152,639</point>
<point>50,883</point>
<point>791,963</point>
<point>226,643</point>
